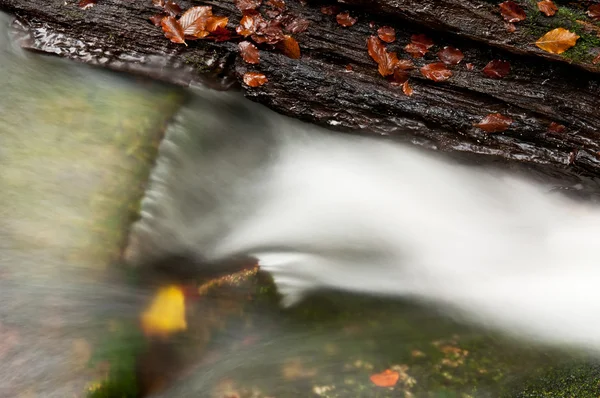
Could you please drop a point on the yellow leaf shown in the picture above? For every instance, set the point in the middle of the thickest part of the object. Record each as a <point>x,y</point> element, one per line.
<point>166,314</point>
<point>557,41</point>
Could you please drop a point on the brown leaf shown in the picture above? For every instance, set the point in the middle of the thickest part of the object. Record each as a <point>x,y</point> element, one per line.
<point>278,4</point>
<point>510,27</point>
<point>387,34</point>
<point>345,19</point>
<point>596,60</point>
<point>249,23</point>
<point>557,41</point>
<point>349,68</point>
<point>157,18</point>
<point>220,34</point>
<point>469,66</point>
<point>194,20</point>
<point>173,30</point>
<point>422,39</point>
<point>399,77</point>
<point>547,7</point>
<point>244,5</point>
<point>158,3</point>
<point>512,12</point>
<point>416,50</point>
<point>289,46</point>
<point>330,10</point>
<point>594,11</point>
<point>270,33</point>
<point>172,8</point>
<point>297,25</point>
<point>404,64</point>
<point>249,52</point>
<point>450,55</point>
<point>254,79</point>
<point>387,378</point>
<point>438,72</point>
<point>387,61</point>
<point>556,128</point>
<point>85,4</point>
<point>407,89</point>
<point>496,69</point>
<point>216,22</point>
<point>494,123</point>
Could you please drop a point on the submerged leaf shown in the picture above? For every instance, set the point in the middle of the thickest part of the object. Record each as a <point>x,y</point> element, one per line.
<point>557,41</point>
<point>387,378</point>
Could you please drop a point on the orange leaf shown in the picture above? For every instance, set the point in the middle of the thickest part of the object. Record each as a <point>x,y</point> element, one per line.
<point>406,89</point>
<point>254,79</point>
<point>438,72</point>
<point>387,61</point>
<point>494,123</point>
<point>193,21</point>
<point>289,46</point>
<point>173,30</point>
<point>249,52</point>
<point>547,7</point>
<point>249,23</point>
<point>213,23</point>
<point>557,41</point>
<point>387,34</point>
<point>387,378</point>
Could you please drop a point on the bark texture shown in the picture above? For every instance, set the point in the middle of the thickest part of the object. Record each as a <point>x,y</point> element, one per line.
<point>541,88</point>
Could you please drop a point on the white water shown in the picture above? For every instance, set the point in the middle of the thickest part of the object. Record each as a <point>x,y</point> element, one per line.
<point>333,211</point>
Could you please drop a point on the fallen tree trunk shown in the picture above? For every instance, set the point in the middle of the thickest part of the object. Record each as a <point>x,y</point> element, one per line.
<point>336,83</point>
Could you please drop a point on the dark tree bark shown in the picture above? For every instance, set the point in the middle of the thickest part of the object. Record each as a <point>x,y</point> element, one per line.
<point>541,88</point>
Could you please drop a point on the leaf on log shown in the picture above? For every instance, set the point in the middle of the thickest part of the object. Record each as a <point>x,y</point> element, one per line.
<point>249,52</point>
<point>450,55</point>
<point>438,72</point>
<point>173,30</point>
<point>557,41</point>
<point>387,34</point>
<point>345,20</point>
<point>245,5</point>
<point>497,69</point>
<point>289,46</point>
<point>494,123</point>
<point>387,61</point>
<point>594,11</point>
<point>547,7</point>
<point>512,12</point>
<point>254,79</point>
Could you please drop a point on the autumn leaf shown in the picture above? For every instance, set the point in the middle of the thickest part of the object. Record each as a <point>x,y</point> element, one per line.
<point>269,32</point>
<point>173,30</point>
<point>254,79</point>
<point>469,66</point>
<point>387,34</point>
<point>156,19</point>
<point>450,55</point>
<point>172,8</point>
<point>249,52</point>
<point>557,41</point>
<point>386,61</point>
<point>194,20</point>
<point>216,22</point>
<point>345,19</point>
<point>438,72</point>
<point>494,123</point>
<point>245,5</point>
<point>510,27</point>
<point>547,7</point>
<point>220,34</point>
<point>278,4</point>
<point>158,3</point>
<point>387,378</point>
<point>556,128</point>
<point>407,89</point>
<point>296,25</point>
<point>289,46</point>
<point>419,45</point>
<point>404,64</point>
<point>512,12</point>
<point>330,10</point>
<point>85,4</point>
<point>594,11</point>
<point>422,40</point>
<point>166,314</point>
<point>596,60</point>
<point>399,77</point>
<point>249,23</point>
<point>496,69</point>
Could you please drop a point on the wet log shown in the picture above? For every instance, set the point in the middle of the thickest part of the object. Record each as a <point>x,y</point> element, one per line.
<point>335,82</point>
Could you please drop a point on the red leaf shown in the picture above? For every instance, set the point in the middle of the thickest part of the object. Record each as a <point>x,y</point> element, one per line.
<point>416,50</point>
<point>387,378</point>
<point>404,64</point>
<point>244,5</point>
<point>438,72</point>
<point>297,25</point>
<point>387,34</point>
<point>85,4</point>
<point>450,55</point>
<point>594,11</point>
<point>157,18</point>
<point>547,7</point>
<point>422,40</point>
<point>254,79</point>
<point>330,10</point>
<point>387,61</point>
<point>278,4</point>
<point>172,8</point>
<point>289,46</point>
<point>345,19</point>
<point>173,30</point>
<point>249,23</point>
<point>399,77</point>
<point>556,128</point>
<point>406,89</point>
<point>496,69</point>
<point>249,52</point>
<point>512,12</point>
<point>220,34</point>
<point>494,123</point>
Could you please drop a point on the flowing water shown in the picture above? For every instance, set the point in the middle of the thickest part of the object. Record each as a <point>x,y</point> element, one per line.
<point>461,280</point>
